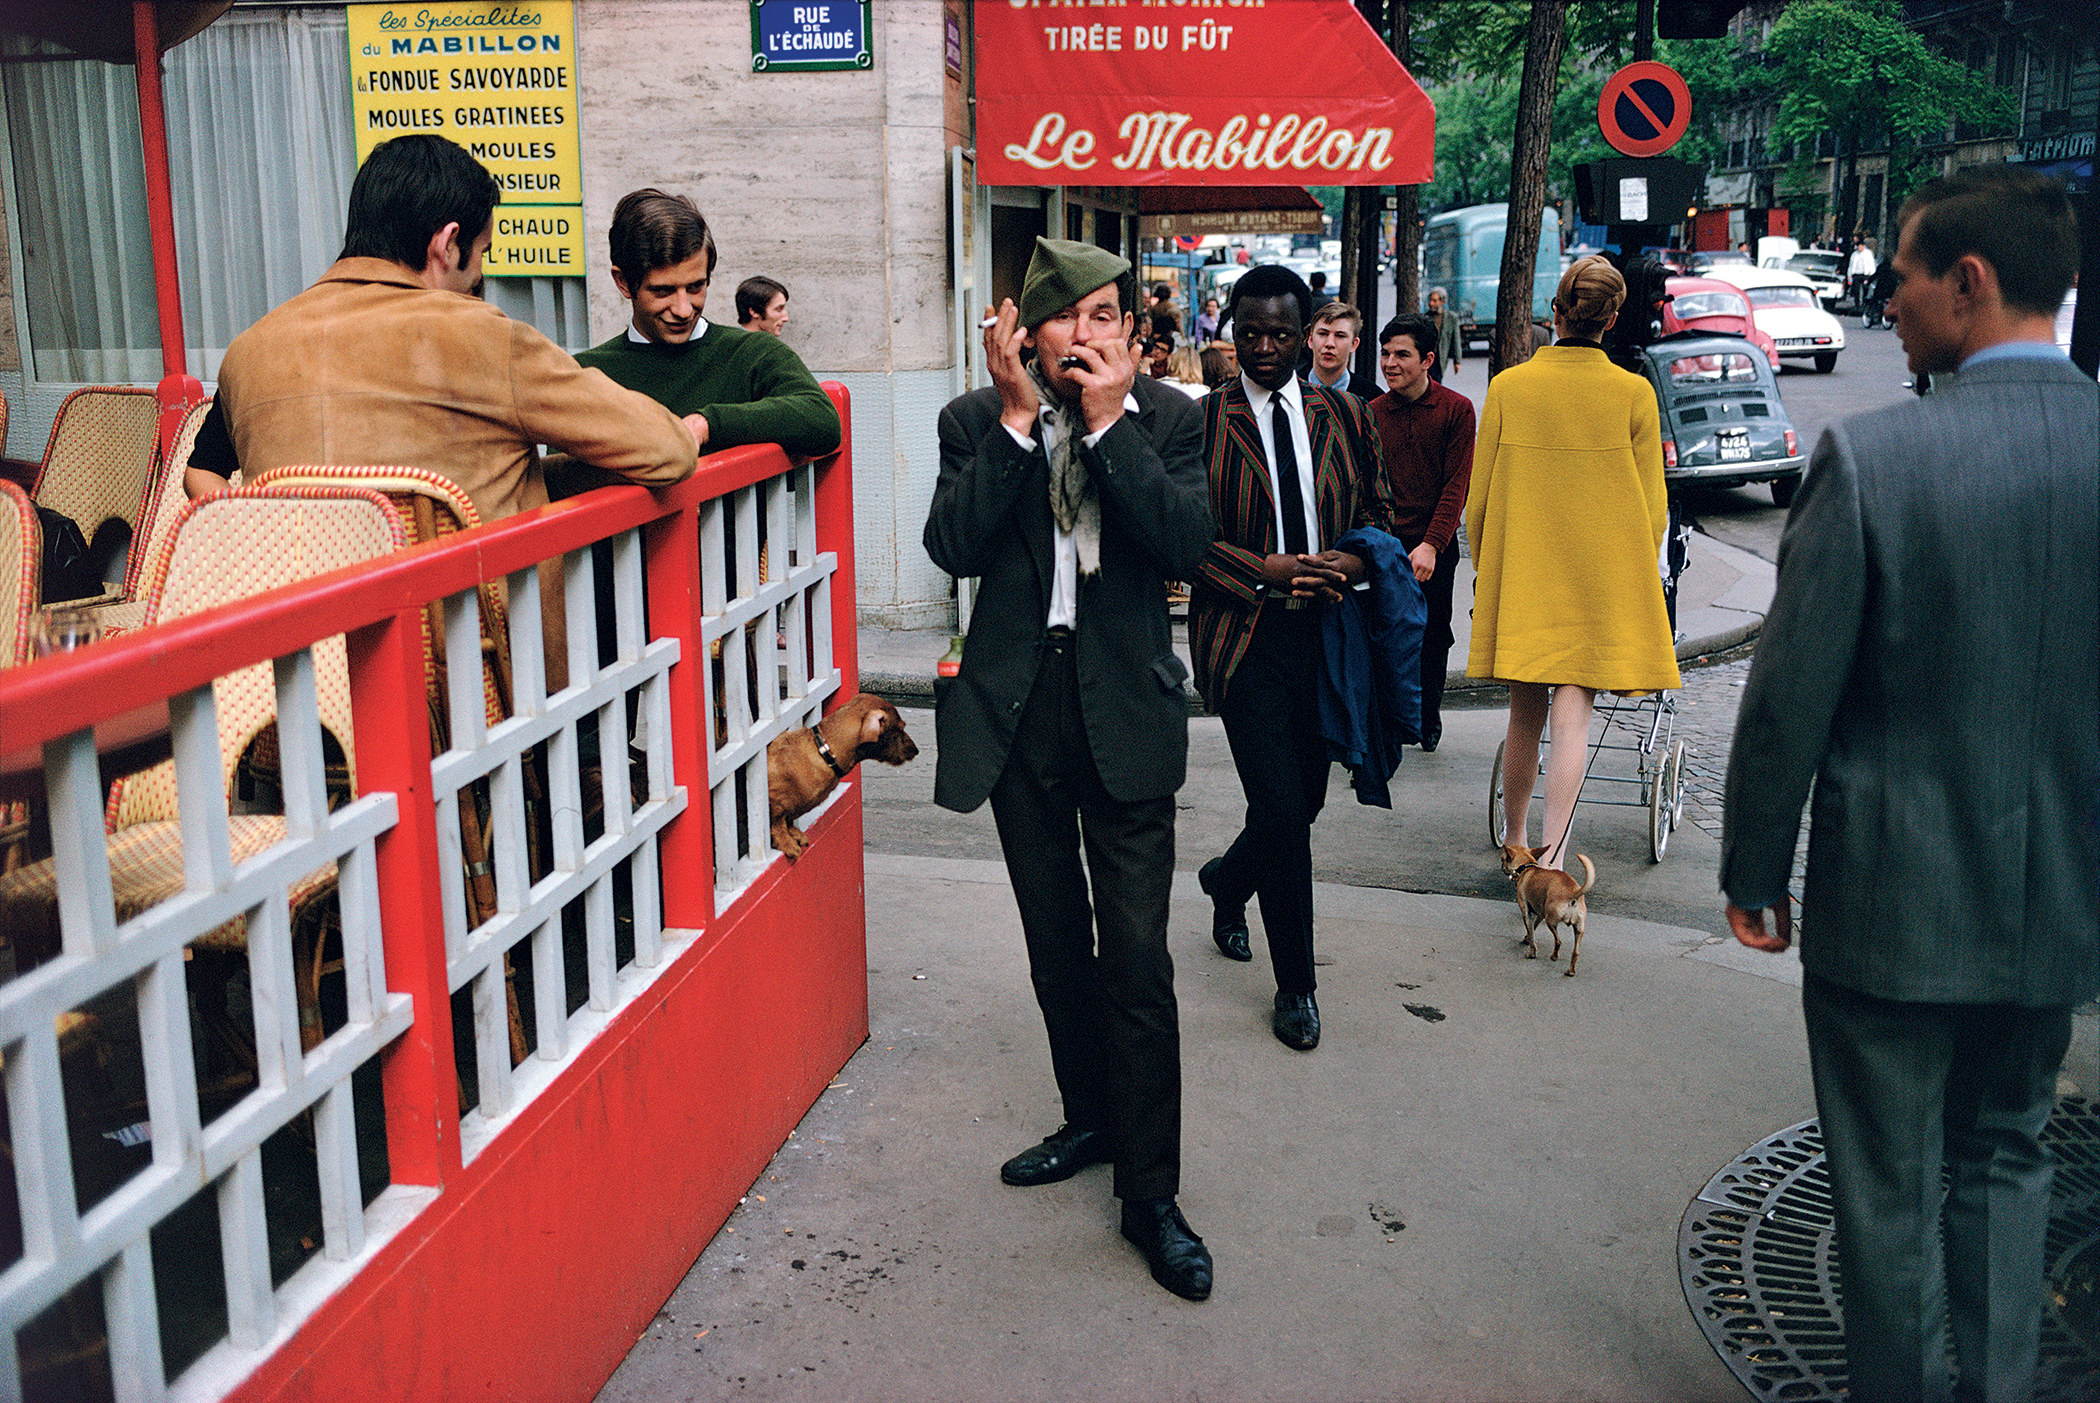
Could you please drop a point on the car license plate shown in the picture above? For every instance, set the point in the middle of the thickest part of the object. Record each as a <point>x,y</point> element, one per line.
<point>1735,445</point>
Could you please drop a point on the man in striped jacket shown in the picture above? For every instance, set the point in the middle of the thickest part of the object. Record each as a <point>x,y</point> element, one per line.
<point>1292,467</point>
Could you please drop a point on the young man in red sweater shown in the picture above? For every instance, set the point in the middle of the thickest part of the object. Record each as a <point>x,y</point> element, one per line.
<point>1427,433</point>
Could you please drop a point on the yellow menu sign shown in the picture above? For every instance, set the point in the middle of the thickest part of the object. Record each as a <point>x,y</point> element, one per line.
<point>499,79</point>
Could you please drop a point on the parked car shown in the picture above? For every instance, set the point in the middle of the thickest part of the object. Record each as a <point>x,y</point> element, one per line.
<point>1723,424</point>
<point>1716,308</point>
<point>1698,264</point>
<point>1785,307</point>
<point>1825,272</point>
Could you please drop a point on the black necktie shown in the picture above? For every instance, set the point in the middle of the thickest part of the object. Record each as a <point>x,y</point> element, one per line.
<point>1287,489</point>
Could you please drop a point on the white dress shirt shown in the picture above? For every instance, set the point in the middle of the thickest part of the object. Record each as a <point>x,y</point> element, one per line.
<point>1301,445</point>
<point>1064,552</point>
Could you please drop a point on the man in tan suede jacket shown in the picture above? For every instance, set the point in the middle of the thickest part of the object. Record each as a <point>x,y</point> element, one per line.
<point>390,359</point>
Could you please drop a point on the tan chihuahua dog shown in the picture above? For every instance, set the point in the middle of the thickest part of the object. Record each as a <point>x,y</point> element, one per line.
<point>804,766</point>
<point>1549,895</point>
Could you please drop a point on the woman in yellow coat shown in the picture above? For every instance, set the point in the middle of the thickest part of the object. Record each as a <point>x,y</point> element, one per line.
<point>1565,517</point>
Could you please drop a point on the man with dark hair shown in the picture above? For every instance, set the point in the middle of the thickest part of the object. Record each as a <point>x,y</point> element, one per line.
<point>762,305</point>
<point>389,359</point>
<point>1292,467</point>
<point>1426,431</point>
<point>1332,338</point>
<point>1929,663</point>
<point>1318,287</point>
<point>732,386</point>
<point>1073,489</point>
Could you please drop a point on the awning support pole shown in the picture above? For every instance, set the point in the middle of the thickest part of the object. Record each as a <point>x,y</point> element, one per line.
<point>160,204</point>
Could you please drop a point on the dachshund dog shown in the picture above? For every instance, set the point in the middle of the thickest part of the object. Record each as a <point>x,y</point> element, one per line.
<point>804,766</point>
<point>1549,896</point>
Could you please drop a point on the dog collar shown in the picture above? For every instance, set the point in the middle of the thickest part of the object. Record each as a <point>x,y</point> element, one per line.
<point>824,750</point>
<point>1522,870</point>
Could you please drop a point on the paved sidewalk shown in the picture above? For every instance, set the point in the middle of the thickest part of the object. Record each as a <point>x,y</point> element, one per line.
<point>1471,1190</point>
<point>1721,602</point>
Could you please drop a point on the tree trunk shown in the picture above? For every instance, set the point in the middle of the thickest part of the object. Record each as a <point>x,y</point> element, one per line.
<point>1407,241</point>
<point>1351,227</point>
<point>1407,219</point>
<point>1370,248</point>
<point>1529,146</point>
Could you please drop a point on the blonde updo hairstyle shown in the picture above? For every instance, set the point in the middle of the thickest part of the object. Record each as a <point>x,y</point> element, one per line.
<point>1589,296</point>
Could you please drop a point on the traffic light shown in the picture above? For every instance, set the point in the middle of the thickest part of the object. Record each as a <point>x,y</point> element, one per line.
<point>1694,19</point>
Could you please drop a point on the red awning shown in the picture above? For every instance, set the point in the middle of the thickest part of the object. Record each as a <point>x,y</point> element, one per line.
<point>1123,93</point>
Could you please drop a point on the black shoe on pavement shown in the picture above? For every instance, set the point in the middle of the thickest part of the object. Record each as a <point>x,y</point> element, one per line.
<point>1228,924</point>
<point>1179,1260</point>
<point>1297,1022</point>
<point>1057,1158</point>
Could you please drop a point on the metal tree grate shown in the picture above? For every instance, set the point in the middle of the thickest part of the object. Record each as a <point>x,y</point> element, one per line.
<point>1757,1255</point>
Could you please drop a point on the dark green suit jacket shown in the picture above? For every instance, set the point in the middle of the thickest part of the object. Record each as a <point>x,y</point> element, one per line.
<point>991,519</point>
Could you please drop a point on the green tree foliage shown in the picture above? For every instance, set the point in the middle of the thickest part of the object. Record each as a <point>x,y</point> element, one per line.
<point>1851,68</point>
<point>1475,115</point>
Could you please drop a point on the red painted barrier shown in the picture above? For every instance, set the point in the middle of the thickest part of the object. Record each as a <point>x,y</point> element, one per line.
<point>543,1256</point>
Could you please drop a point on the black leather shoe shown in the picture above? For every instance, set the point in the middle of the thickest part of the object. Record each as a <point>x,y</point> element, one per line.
<point>1228,924</point>
<point>1179,1260</point>
<point>1429,742</point>
<point>1297,1021</point>
<point>1059,1157</point>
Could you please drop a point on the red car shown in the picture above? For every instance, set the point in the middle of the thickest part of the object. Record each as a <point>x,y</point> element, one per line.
<point>1710,305</point>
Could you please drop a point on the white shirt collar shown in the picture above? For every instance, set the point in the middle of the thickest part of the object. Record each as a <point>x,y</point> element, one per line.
<point>1130,404</point>
<point>699,330</point>
<point>1258,397</point>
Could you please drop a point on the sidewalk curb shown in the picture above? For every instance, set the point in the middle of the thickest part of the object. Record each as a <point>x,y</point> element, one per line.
<point>901,689</point>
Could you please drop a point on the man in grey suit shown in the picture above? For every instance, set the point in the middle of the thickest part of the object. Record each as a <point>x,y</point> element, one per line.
<point>1930,661</point>
<point>1074,489</point>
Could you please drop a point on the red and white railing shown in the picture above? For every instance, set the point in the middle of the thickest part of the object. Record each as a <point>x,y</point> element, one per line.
<point>710,905</point>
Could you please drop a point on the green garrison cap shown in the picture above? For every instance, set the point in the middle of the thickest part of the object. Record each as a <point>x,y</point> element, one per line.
<point>1063,271</point>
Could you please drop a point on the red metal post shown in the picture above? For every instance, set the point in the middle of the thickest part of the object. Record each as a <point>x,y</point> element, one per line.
<point>392,720</point>
<point>160,203</point>
<point>835,531</point>
<point>685,853</point>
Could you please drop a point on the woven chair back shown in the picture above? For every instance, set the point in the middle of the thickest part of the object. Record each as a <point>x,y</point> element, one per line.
<point>240,544</point>
<point>21,572</point>
<point>100,457</point>
<point>430,507</point>
<point>164,502</point>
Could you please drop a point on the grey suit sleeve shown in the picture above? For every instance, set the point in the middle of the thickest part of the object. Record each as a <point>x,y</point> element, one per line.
<point>1804,658</point>
<point>981,479</point>
<point>1161,495</point>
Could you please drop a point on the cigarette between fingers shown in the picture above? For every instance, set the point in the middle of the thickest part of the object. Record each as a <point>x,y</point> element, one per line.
<point>988,323</point>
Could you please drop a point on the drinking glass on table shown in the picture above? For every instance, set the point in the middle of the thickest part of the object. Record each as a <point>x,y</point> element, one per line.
<point>62,628</point>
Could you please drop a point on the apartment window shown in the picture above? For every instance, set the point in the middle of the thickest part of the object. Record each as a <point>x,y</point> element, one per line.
<point>260,156</point>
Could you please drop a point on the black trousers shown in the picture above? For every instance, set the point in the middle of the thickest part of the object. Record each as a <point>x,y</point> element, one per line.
<point>1937,1279</point>
<point>1437,637</point>
<point>1102,974</point>
<point>1272,723</point>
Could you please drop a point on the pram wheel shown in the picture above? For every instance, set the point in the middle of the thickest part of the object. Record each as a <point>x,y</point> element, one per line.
<point>1498,827</point>
<point>1666,801</point>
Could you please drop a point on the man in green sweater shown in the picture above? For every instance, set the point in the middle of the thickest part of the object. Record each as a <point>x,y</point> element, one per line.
<point>731,386</point>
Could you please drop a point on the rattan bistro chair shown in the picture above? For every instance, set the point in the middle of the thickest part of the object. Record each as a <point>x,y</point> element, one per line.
<point>21,580</point>
<point>226,548</point>
<point>163,502</point>
<point>100,457</point>
<point>431,507</point>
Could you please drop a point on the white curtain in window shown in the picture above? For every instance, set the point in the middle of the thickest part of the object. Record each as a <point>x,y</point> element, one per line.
<point>261,157</point>
<point>80,217</point>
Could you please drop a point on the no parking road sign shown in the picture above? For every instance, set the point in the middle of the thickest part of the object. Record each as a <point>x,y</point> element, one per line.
<point>1644,109</point>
